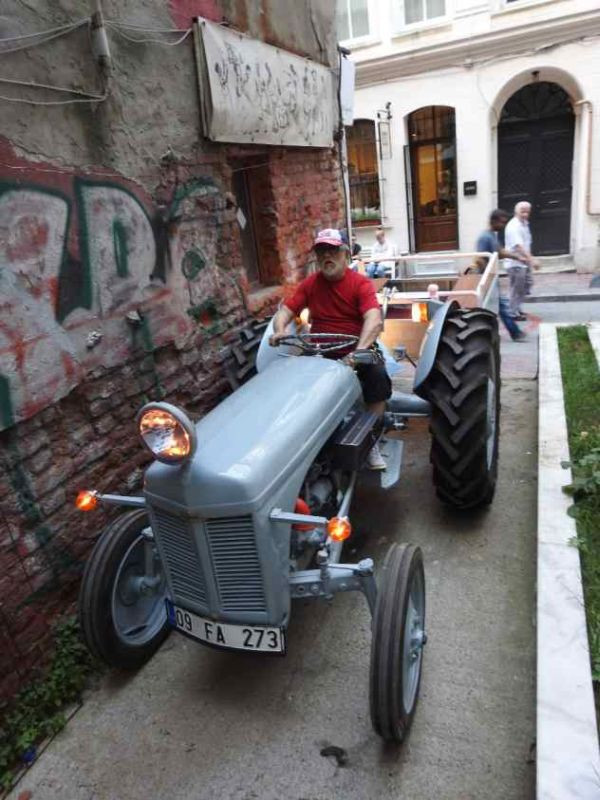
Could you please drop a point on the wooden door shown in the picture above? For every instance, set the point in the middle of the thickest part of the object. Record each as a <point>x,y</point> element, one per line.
<point>535,162</point>
<point>433,168</point>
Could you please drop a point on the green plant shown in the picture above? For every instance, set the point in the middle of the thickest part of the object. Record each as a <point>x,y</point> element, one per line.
<point>585,488</point>
<point>581,382</point>
<point>38,710</point>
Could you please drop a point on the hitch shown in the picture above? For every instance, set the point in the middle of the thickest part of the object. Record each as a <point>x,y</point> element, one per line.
<point>394,422</point>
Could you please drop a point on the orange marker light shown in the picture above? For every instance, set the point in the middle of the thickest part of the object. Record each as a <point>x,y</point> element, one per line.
<point>420,312</point>
<point>87,500</point>
<point>339,528</point>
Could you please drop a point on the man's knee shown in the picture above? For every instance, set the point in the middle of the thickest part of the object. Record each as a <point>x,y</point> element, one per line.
<point>375,381</point>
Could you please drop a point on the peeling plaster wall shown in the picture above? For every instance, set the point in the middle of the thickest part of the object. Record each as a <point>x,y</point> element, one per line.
<point>121,277</point>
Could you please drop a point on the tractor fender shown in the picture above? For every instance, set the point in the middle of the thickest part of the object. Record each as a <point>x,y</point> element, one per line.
<point>430,345</point>
<point>268,355</point>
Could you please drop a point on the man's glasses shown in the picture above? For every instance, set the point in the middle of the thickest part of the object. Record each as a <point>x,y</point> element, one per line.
<point>326,249</point>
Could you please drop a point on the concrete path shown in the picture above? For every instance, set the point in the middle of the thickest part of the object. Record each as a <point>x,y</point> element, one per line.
<point>558,284</point>
<point>197,724</point>
<point>201,724</point>
<point>519,359</point>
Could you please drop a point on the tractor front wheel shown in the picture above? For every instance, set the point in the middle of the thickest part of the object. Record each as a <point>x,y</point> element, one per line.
<point>122,610</point>
<point>464,393</point>
<point>397,644</point>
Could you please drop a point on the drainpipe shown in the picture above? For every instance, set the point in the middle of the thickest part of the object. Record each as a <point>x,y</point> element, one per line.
<point>590,138</point>
<point>99,39</point>
<point>343,150</point>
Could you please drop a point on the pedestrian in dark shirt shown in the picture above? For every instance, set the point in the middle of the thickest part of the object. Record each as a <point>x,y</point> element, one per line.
<point>488,242</point>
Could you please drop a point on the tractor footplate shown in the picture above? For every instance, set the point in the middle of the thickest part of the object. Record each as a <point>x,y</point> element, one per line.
<point>391,450</point>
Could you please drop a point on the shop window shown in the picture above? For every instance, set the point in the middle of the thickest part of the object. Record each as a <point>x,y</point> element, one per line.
<point>365,199</point>
<point>352,19</point>
<point>423,10</point>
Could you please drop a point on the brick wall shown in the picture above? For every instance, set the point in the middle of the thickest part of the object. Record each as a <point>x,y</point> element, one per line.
<point>78,357</point>
<point>121,275</point>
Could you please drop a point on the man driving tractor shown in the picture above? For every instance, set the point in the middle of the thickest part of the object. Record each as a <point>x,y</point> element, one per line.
<point>341,301</point>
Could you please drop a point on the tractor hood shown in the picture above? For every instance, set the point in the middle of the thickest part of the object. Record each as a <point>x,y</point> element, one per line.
<point>257,437</point>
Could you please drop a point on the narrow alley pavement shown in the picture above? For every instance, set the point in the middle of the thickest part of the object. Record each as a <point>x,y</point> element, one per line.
<point>196,724</point>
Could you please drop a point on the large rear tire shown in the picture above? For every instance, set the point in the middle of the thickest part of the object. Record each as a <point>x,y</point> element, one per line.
<point>122,616</point>
<point>397,643</point>
<point>464,393</point>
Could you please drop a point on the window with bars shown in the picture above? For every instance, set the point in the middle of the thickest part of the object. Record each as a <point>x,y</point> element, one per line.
<point>365,200</point>
<point>352,19</point>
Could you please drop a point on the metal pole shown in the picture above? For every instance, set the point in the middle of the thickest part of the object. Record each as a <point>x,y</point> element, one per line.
<point>345,178</point>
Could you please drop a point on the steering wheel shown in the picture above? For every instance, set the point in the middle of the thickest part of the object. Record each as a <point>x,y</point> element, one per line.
<point>313,344</point>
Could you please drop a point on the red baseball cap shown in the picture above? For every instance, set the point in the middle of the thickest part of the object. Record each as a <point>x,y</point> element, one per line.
<point>329,236</point>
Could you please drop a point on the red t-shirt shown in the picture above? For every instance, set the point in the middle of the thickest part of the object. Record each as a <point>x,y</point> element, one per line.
<point>335,306</point>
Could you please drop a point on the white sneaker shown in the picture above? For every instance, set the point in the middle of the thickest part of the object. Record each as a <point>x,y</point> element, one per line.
<point>375,459</point>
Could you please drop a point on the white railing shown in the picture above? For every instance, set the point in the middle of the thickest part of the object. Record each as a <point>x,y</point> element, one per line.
<point>476,294</point>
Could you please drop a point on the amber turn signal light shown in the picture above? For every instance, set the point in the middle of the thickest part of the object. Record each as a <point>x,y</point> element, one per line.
<point>420,312</point>
<point>87,500</point>
<point>339,528</point>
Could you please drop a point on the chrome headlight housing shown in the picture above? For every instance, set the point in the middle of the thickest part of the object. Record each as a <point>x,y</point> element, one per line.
<point>167,432</point>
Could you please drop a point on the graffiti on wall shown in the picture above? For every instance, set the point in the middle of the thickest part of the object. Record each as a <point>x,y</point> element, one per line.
<point>183,12</point>
<point>83,259</point>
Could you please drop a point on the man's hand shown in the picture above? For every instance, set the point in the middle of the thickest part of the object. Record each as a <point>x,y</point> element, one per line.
<point>275,338</point>
<point>280,322</point>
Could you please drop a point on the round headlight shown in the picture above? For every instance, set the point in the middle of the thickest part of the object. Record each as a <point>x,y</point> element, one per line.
<point>167,432</point>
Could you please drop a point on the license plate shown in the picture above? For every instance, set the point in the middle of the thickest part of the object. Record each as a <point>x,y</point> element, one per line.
<point>253,638</point>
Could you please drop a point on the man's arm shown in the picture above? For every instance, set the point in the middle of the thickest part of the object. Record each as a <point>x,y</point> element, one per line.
<point>516,255</point>
<point>372,327</point>
<point>514,246</point>
<point>280,322</point>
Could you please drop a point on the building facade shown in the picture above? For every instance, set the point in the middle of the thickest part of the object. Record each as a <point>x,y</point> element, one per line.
<point>465,105</point>
<point>136,255</point>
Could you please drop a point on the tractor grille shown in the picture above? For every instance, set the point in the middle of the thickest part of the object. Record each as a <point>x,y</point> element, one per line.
<point>236,564</point>
<point>183,564</point>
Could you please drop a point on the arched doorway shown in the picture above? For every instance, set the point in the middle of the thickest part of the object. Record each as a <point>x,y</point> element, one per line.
<point>432,151</point>
<point>535,159</point>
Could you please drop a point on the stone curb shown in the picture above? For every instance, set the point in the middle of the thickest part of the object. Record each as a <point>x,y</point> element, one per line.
<point>562,298</point>
<point>594,337</point>
<point>568,762</point>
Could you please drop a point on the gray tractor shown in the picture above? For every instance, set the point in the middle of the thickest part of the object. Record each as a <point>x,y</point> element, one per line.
<point>248,509</point>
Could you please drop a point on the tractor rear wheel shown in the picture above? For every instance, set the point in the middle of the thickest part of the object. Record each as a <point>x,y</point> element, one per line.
<point>464,393</point>
<point>122,610</point>
<point>397,643</point>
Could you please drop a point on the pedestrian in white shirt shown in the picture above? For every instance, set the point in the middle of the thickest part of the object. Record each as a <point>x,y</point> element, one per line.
<point>381,249</point>
<point>517,240</point>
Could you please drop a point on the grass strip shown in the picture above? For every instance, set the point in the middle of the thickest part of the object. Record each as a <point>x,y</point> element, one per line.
<point>581,385</point>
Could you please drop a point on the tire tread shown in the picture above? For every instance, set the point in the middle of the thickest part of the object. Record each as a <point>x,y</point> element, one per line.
<point>457,390</point>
